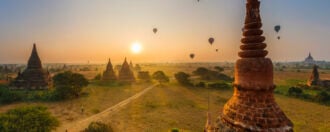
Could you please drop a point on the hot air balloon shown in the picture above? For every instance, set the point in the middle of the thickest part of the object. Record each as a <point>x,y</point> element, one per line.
<point>277,28</point>
<point>211,40</point>
<point>192,56</point>
<point>155,30</point>
<point>197,0</point>
<point>216,50</point>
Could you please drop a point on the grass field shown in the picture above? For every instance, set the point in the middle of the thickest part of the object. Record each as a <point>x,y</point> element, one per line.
<point>99,97</point>
<point>174,106</point>
<point>185,108</point>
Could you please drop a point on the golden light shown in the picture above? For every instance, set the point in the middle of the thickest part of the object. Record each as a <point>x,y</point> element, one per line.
<point>136,47</point>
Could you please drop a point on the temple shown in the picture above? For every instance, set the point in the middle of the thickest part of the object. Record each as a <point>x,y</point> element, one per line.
<point>33,77</point>
<point>125,73</point>
<point>309,59</point>
<point>109,73</point>
<point>315,80</point>
<point>252,106</point>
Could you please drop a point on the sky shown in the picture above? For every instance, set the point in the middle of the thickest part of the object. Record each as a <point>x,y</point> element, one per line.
<point>77,31</point>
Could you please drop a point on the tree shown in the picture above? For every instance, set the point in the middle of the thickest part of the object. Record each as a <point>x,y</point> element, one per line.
<point>295,91</point>
<point>68,84</point>
<point>98,77</point>
<point>98,127</point>
<point>322,97</point>
<point>219,69</point>
<point>183,78</point>
<point>160,77</point>
<point>28,119</point>
<point>144,75</point>
<point>201,71</point>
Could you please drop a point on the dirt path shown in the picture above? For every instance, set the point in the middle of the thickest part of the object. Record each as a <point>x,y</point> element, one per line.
<point>81,124</point>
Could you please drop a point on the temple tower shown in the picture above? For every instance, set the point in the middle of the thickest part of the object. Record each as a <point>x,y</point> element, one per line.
<point>252,106</point>
<point>33,77</point>
<point>314,79</point>
<point>125,73</point>
<point>109,73</point>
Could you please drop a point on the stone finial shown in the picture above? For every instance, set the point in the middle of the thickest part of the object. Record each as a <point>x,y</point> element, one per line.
<point>253,43</point>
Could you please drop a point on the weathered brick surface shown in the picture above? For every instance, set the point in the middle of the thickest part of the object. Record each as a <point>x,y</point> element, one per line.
<point>252,106</point>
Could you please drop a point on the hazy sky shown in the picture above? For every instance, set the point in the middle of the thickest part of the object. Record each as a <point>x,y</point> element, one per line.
<point>81,30</point>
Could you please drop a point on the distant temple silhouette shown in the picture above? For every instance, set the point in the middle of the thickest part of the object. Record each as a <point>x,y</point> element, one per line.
<point>33,77</point>
<point>309,59</point>
<point>109,73</point>
<point>126,74</point>
<point>315,80</point>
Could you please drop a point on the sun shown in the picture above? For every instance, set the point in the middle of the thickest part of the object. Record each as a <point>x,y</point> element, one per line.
<point>136,47</point>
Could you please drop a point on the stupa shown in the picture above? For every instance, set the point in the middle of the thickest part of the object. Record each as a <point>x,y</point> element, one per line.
<point>33,77</point>
<point>125,73</point>
<point>252,106</point>
<point>109,73</point>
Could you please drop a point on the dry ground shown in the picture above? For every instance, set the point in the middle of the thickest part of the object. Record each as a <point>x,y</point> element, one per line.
<point>174,106</point>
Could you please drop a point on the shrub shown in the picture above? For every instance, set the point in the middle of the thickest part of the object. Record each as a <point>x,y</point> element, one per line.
<point>29,118</point>
<point>160,77</point>
<point>219,69</point>
<point>7,96</point>
<point>68,84</point>
<point>144,76</point>
<point>219,85</point>
<point>98,77</point>
<point>201,85</point>
<point>175,130</point>
<point>98,127</point>
<point>183,78</point>
<point>295,91</point>
<point>207,74</point>
<point>322,97</point>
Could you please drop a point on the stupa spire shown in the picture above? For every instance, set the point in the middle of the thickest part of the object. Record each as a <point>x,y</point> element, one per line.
<point>125,73</point>
<point>109,73</point>
<point>34,60</point>
<point>252,106</point>
<point>253,42</point>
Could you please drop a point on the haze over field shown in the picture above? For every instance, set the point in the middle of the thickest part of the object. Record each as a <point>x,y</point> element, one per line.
<point>77,31</point>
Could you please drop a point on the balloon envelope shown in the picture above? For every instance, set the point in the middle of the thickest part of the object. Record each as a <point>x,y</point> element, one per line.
<point>211,40</point>
<point>155,30</point>
<point>192,56</point>
<point>277,28</point>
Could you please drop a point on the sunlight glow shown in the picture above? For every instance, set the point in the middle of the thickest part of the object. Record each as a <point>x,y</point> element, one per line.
<point>136,47</point>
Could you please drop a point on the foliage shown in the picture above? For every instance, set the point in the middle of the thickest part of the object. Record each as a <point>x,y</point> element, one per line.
<point>69,85</point>
<point>219,69</point>
<point>28,119</point>
<point>183,78</point>
<point>144,75</point>
<point>175,130</point>
<point>322,97</point>
<point>207,74</point>
<point>98,127</point>
<point>97,77</point>
<point>295,91</point>
<point>160,77</point>
<point>7,96</point>
<point>218,85</point>
<point>200,85</point>
<point>201,71</point>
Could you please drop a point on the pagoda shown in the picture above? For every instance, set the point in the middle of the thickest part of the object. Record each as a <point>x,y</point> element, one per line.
<point>309,59</point>
<point>34,76</point>
<point>109,73</point>
<point>125,73</point>
<point>252,106</point>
